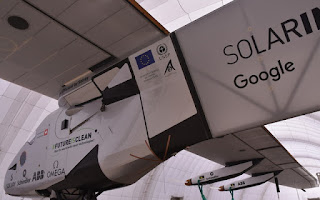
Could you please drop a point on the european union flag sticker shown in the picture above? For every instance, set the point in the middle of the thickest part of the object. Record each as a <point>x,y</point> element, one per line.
<point>145,59</point>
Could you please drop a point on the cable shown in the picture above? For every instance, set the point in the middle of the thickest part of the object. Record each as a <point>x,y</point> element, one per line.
<point>231,192</point>
<point>184,10</point>
<point>201,191</point>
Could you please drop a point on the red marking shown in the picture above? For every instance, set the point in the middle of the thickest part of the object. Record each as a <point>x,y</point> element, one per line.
<point>46,132</point>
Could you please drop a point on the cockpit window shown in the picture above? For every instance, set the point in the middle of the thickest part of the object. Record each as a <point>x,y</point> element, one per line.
<point>116,83</point>
<point>120,92</point>
<point>23,158</point>
<point>94,88</point>
<point>64,124</point>
<point>111,77</point>
<point>83,94</point>
<point>105,78</point>
<point>14,167</point>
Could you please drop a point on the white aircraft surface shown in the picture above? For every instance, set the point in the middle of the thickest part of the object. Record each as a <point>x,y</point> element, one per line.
<point>131,95</point>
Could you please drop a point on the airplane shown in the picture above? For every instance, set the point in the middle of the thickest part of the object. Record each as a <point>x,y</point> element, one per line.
<point>149,94</point>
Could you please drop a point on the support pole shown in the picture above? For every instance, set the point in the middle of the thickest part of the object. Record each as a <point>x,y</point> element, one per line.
<point>277,186</point>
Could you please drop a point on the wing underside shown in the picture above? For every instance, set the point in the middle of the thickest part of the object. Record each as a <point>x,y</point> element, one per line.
<point>67,39</point>
<point>257,143</point>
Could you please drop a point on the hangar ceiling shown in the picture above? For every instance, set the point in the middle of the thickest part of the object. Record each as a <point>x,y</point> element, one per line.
<point>66,39</point>
<point>299,135</point>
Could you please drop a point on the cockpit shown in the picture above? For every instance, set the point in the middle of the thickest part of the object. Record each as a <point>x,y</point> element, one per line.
<point>111,85</point>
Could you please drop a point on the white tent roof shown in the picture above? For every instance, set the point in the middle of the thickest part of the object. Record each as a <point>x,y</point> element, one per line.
<point>21,110</point>
<point>173,14</point>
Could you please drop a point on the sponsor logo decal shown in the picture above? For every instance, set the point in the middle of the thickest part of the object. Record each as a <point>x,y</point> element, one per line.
<point>56,170</point>
<point>73,142</point>
<point>169,68</point>
<point>293,29</point>
<point>38,175</point>
<point>41,134</point>
<point>21,182</point>
<point>55,164</point>
<point>274,73</point>
<point>241,183</point>
<point>45,132</point>
<point>26,179</point>
<point>10,185</point>
<point>162,49</point>
<point>145,59</point>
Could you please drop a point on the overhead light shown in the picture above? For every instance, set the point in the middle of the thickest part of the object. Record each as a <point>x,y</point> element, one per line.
<point>18,22</point>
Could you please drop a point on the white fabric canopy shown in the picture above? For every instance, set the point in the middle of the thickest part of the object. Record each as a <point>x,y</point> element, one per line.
<point>21,111</point>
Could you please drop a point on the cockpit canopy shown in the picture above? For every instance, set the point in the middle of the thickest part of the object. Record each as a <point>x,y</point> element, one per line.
<point>92,87</point>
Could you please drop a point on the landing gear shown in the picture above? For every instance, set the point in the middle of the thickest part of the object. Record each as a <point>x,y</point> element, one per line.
<point>90,196</point>
<point>75,194</point>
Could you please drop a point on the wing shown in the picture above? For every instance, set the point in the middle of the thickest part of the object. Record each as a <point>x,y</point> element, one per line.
<point>253,144</point>
<point>55,42</point>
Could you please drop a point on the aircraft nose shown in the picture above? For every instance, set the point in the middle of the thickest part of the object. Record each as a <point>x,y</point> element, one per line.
<point>9,181</point>
<point>6,182</point>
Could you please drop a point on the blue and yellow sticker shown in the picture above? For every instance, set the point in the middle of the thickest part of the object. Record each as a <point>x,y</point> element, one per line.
<point>145,59</point>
